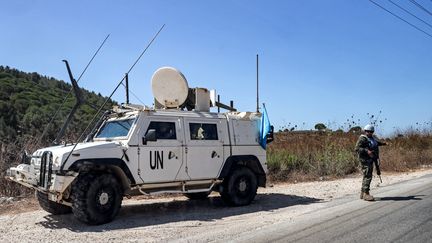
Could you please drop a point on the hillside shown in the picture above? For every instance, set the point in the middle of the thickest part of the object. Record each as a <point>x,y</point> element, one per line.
<point>28,102</point>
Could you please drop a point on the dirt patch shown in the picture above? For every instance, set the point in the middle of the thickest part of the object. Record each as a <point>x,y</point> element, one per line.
<point>163,219</point>
<point>19,205</point>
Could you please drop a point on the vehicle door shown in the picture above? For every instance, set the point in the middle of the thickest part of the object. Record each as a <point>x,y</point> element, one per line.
<point>203,152</point>
<point>160,160</point>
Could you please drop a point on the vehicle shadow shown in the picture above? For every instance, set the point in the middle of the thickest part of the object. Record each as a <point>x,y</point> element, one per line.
<point>406,198</point>
<point>151,214</point>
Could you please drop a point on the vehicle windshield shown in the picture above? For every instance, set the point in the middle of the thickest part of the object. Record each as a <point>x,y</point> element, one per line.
<point>115,128</point>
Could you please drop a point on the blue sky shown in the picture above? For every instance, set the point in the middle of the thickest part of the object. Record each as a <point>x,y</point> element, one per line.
<point>320,61</point>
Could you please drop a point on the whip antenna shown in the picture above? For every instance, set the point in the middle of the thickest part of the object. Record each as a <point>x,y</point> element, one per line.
<point>109,97</point>
<point>70,91</point>
<point>257,86</point>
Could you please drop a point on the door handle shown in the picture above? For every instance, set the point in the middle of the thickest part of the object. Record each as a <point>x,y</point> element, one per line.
<point>171,155</point>
<point>214,154</point>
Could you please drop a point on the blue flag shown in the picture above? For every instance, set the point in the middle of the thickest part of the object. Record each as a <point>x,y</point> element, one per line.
<point>264,128</point>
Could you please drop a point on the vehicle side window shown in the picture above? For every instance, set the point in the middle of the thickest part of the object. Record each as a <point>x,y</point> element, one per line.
<point>164,130</point>
<point>203,131</point>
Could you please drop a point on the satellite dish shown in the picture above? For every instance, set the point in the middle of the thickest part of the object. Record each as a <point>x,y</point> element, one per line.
<point>169,87</point>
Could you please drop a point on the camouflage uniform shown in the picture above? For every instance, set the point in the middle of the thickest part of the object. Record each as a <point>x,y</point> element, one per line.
<point>364,144</point>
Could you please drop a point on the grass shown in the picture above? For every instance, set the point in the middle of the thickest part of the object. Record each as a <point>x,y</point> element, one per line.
<point>295,156</point>
<point>304,156</point>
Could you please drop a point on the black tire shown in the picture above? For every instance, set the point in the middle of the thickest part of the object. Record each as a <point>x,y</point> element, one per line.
<point>96,198</point>
<point>197,195</point>
<point>240,187</point>
<point>50,206</point>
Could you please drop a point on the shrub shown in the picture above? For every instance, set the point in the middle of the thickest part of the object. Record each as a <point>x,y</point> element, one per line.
<point>309,155</point>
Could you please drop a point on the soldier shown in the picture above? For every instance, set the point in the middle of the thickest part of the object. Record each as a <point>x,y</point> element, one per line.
<point>368,152</point>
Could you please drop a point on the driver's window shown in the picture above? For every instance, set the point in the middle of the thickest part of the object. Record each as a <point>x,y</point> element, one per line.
<point>164,130</point>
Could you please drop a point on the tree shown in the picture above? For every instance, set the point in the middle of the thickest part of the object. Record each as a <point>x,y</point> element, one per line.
<point>320,127</point>
<point>26,107</point>
<point>7,134</point>
<point>356,129</point>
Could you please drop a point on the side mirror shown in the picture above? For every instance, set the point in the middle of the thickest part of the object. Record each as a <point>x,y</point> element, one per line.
<point>150,136</point>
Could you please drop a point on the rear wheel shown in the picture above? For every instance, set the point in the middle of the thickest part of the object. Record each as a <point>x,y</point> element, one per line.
<point>50,206</point>
<point>96,198</point>
<point>197,195</point>
<point>240,187</point>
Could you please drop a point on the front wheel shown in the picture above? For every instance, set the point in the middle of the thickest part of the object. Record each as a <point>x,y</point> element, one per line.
<point>96,198</point>
<point>50,206</point>
<point>240,187</point>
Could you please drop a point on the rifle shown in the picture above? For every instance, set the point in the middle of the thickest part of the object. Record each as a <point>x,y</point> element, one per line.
<point>377,163</point>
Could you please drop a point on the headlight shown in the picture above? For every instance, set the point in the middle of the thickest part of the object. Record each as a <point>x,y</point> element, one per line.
<point>56,160</point>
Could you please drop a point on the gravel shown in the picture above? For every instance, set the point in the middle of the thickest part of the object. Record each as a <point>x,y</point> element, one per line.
<point>178,219</point>
<point>6,200</point>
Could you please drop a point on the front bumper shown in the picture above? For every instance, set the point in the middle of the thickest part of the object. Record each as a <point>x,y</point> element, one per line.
<point>44,179</point>
<point>27,175</point>
<point>24,174</point>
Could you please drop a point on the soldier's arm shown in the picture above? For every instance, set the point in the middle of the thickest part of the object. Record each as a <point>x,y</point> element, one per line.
<point>361,146</point>
<point>381,143</point>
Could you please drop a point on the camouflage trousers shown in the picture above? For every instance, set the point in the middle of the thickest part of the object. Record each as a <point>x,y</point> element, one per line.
<point>367,169</point>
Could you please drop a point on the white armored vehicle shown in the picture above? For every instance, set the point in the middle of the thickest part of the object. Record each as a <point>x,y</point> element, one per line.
<point>178,146</point>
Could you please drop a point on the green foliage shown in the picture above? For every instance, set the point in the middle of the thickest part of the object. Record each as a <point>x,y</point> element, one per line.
<point>323,163</point>
<point>309,155</point>
<point>28,102</point>
<point>320,127</point>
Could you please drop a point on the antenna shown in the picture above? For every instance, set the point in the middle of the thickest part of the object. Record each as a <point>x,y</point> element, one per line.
<point>109,97</point>
<point>257,85</point>
<point>79,102</point>
<point>127,88</point>
<point>218,101</point>
<point>70,91</point>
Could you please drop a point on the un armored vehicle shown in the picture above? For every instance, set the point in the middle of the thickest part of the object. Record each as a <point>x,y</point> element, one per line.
<point>177,146</point>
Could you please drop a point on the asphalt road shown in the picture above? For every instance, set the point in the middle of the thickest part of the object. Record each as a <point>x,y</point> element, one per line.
<point>401,213</point>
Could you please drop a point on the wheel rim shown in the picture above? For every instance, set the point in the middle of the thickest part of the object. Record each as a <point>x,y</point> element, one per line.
<point>105,199</point>
<point>243,187</point>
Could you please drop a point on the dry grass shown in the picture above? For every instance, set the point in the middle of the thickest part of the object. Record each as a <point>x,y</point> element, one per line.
<point>408,152</point>
<point>294,156</point>
<point>9,156</point>
<point>310,155</point>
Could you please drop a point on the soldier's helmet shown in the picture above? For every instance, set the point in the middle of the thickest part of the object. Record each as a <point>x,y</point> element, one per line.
<point>369,127</point>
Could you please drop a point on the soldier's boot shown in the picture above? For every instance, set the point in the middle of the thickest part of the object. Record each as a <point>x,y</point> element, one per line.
<point>361,195</point>
<point>368,197</point>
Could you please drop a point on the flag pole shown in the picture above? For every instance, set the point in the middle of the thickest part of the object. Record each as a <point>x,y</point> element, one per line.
<point>257,86</point>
